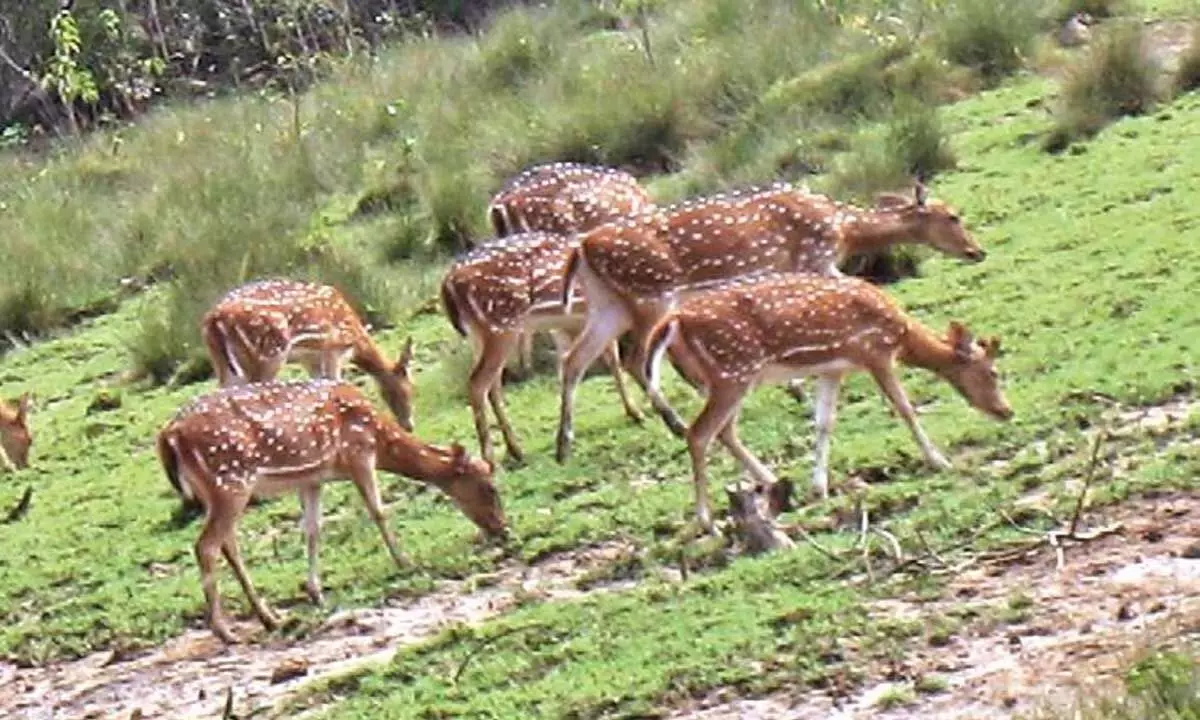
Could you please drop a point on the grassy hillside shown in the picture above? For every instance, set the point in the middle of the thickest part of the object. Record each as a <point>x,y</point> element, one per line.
<point>1092,261</point>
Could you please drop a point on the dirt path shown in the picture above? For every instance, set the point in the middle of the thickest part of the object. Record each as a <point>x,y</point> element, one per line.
<point>1080,626</point>
<point>191,676</point>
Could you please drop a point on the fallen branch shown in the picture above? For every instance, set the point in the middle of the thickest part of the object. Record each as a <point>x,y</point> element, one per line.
<point>1087,480</point>
<point>753,520</point>
<point>22,506</point>
<point>462,666</point>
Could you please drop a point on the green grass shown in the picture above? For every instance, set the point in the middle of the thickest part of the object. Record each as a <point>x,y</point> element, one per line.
<point>1089,280</point>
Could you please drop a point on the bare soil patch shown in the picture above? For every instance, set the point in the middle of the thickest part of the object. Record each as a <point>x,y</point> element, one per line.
<point>193,675</point>
<point>1069,633</point>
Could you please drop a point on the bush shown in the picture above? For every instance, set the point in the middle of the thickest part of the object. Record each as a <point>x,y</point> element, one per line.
<point>1163,684</point>
<point>1187,75</point>
<point>1096,8</point>
<point>917,140</point>
<point>1117,77</point>
<point>994,38</point>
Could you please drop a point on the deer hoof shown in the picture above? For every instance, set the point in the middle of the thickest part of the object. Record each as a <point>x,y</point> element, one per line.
<point>223,633</point>
<point>314,594</point>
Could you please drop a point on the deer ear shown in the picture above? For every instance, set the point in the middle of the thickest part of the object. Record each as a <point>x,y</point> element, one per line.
<point>890,201</point>
<point>960,339</point>
<point>991,346</point>
<point>23,408</point>
<point>458,457</point>
<point>920,192</point>
<point>406,356</point>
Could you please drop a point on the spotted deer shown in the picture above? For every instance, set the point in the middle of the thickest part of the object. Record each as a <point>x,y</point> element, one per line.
<point>15,437</point>
<point>633,270</point>
<point>258,327</point>
<point>564,198</point>
<point>274,437</point>
<point>778,326</point>
<point>493,294</point>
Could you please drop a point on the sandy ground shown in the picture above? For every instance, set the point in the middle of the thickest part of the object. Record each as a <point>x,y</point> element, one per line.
<point>192,675</point>
<point>1087,621</point>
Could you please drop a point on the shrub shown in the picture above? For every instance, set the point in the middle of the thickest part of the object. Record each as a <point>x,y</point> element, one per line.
<point>917,140</point>
<point>1095,8</point>
<point>1187,75</point>
<point>1117,77</point>
<point>992,37</point>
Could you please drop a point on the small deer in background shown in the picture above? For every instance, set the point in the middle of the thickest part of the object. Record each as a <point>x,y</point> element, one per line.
<point>565,198</point>
<point>256,328</point>
<point>1076,30</point>
<point>779,326</point>
<point>276,437</point>
<point>634,270</point>
<point>15,437</point>
<point>498,291</point>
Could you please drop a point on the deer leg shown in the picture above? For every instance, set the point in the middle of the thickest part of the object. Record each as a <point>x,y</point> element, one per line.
<point>233,556</point>
<point>363,475</point>
<point>525,353</point>
<point>719,409</point>
<point>658,401</point>
<point>612,358</point>
<point>795,388</point>
<point>489,364</point>
<point>310,503</point>
<point>219,522</point>
<point>825,414</point>
<point>604,325</point>
<point>496,398</point>
<point>885,377</point>
<point>729,438</point>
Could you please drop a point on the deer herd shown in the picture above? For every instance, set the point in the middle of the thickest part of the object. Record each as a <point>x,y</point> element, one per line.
<point>735,290</point>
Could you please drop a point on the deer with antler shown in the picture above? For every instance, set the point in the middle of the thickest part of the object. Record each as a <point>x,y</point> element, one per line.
<point>15,437</point>
<point>634,270</point>
<point>498,291</point>
<point>258,327</point>
<point>563,198</point>
<point>270,438</point>
<point>779,326</point>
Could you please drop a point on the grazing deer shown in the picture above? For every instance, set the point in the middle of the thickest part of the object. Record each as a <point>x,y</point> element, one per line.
<point>256,328</point>
<point>633,270</point>
<point>783,325</point>
<point>274,437</point>
<point>15,437</point>
<point>564,198</point>
<point>493,294</point>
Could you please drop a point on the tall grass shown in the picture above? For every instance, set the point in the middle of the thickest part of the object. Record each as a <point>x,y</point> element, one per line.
<point>992,37</point>
<point>389,163</point>
<point>1117,77</point>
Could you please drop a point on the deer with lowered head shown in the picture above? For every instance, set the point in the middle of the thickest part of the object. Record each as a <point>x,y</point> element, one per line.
<point>256,328</point>
<point>15,437</point>
<point>271,438</point>
<point>564,198</point>
<point>632,271</point>
<point>497,292</point>
<point>778,326</point>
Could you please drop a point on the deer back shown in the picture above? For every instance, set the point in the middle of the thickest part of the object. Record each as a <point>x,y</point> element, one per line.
<point>799,320</point>
<point>238,435</point>
<point>568,198</point>
<point>272,316</point>
<point>499,282</point>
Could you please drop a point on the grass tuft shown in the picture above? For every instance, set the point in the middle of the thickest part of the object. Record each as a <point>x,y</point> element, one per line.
<point>994,38</point>
<point>1187,75</point>
<point>1118,77</point>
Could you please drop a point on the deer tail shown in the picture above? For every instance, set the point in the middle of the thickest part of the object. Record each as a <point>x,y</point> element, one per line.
<point>657,342</point>
<point>168,455</point>
<point>569,276</point>
<point>450,304</point>
<point>498,215</point>
<point>216,339</point>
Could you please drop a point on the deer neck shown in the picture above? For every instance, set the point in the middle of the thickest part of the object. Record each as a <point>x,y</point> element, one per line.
<point>871,231</point>
<point>922,348</point>
<point>367,358</point>
<point>403,454</point>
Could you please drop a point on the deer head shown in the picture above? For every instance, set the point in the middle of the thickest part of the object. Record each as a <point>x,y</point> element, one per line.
<point>973,371</point>
<point>396,386</point>
<point>14,432</point>
<point>933,223</point>
<point>471,488</point>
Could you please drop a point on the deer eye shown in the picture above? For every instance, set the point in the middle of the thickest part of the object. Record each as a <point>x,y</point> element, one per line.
<point>955,219</point>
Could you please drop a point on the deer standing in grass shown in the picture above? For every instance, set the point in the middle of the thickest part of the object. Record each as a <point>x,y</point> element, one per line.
<point>15,438</point>
<point>634,270</point>
<point>564,198</point>
<point>784,325</point>
<point>256,328</point>
<point>498,291</point>
<point>275,437</point>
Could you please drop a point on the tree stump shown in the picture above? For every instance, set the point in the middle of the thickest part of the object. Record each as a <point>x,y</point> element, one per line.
<point>753,508</point>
